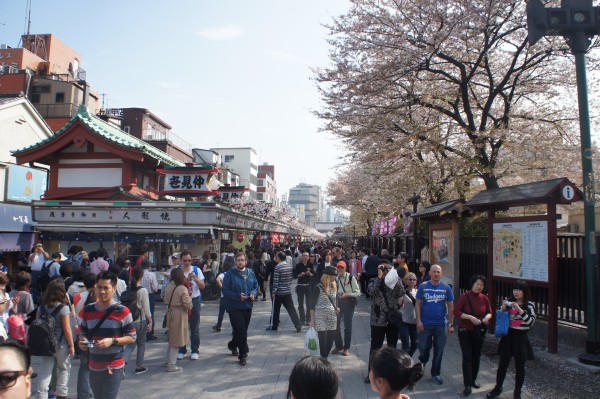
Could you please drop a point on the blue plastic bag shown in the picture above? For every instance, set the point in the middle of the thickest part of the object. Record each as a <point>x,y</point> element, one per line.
<point>502,322</point>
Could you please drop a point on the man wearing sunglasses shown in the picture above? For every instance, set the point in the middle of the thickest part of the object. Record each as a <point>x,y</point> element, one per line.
<point>15,370</point>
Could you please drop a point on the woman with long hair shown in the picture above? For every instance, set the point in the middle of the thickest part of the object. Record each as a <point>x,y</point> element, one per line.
<point>323,310</point>
<point>423,273</point>
<point>516,344</point>
<point>21,293</point>
<point>179,301</point>
<point>474,312</point>
<point>142,324</point>
<point>392,371</point>
<point>408,329</point>
<point>56,304</point>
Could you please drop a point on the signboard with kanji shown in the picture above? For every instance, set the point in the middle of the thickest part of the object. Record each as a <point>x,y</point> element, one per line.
<point>190,181</point>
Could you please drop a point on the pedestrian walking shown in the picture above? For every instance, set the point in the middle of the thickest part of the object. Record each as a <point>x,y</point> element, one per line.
<point>434,309</point>
<point>347,295</point>
<point>142,322</point>
<point>240,288</point>
<point>282,293</point>
<point>304,272</point>
<point>106,327</point>
<point>151,285</point>
<point>516,344</point>
<point>217,327</point>
<point>474,311</point>
<point>195,278</point>
<point>55,304</point>
<point>324,310</point>
<point>385,300</point>
<point>409,336</point>
<point>179,302</point>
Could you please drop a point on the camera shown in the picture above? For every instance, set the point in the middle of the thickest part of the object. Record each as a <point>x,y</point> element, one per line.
<point>90,344</point>
<point>508,304</point>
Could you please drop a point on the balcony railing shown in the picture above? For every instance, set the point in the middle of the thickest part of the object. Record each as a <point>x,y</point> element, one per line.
<point>153,134</point>
<point>63,110</point>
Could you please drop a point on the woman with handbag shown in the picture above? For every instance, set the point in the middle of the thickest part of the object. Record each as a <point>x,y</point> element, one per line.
<point>179,301</point>
<point>323,310</point>
<point>408,329</point>
<point>474,311</point>
<point>516,343</point>
<point>385,301</point>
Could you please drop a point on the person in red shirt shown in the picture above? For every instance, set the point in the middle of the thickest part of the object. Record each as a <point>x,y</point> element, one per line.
<point>143,256</point>
<point>474,311</point>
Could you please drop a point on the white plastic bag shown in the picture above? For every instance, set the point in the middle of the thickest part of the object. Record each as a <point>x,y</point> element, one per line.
<point>311,342</point>
<point>391,279</point>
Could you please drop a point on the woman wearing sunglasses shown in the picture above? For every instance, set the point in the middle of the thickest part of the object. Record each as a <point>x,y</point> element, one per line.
<point>15,370</point>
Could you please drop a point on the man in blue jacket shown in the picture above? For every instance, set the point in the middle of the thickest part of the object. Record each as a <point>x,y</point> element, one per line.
<point>240,287</point>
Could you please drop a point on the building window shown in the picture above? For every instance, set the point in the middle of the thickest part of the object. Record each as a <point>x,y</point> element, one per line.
<point>259,196</point>
<point>260,183</point>
<point>229,158</point>
<point>60,97</point>
<point>127,129</point>
<point>35,98</point>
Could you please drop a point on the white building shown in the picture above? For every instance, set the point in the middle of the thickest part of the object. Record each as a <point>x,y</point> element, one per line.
<point>308,201</point>
<point>242,161</point>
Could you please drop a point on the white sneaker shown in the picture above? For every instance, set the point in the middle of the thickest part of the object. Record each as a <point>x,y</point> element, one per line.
<point>195,356</point>
<point>180,356</point>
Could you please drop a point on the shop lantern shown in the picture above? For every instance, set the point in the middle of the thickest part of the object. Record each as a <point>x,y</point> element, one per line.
<point>240,237</point>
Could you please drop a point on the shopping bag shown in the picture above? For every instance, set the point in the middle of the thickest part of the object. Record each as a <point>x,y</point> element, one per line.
<point>502,322</point>
<point>311,342</point>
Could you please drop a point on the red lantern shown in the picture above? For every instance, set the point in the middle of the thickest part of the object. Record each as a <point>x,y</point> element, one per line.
<point>240,237</point>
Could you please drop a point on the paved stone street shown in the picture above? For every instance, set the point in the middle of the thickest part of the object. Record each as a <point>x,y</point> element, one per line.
<point>272,356</point>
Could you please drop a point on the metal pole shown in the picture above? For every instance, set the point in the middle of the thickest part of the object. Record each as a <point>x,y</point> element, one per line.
<point>579,43</point>
<point>415,201</point>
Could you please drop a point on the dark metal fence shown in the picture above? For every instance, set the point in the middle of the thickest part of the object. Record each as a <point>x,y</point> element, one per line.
<point>473,258</point>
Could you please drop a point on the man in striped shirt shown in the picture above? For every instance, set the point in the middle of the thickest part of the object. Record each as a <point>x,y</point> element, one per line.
<point>282,293</point>
<point>106,327</point>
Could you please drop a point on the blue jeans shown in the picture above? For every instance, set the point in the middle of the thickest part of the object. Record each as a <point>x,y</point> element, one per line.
<point>194,324</point>
<point>408,332</point>
<point>432,336</point>
<point>83,378</point>
<point>105,385</point>
<point>221,312</point>
<point>347,314</point>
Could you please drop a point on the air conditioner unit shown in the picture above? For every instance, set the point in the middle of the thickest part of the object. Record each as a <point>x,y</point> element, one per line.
<point>3,46</point>
<point>149,136</point>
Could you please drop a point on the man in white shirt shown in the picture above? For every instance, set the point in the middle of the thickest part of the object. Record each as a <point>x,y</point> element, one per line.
<point>195,277</point>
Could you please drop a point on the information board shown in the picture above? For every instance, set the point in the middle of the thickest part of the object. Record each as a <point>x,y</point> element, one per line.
<point>520,250</point>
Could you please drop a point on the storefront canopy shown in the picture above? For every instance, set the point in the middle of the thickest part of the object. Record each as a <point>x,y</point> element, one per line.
<point>16,228</point>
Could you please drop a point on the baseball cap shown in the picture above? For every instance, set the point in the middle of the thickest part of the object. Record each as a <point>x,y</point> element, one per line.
<point>341,264</point>
<point>176,255</point>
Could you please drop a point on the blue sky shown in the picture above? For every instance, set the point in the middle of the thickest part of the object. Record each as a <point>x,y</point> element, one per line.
<point>221,73</point>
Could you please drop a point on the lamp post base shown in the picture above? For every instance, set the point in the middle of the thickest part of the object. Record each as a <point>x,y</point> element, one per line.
<point>592,355</point>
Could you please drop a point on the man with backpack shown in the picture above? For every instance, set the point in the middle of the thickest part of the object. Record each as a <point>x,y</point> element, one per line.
<point>195,277</point>
<point>50,268</point>
<point>348,292</point>
<point>106,327</point>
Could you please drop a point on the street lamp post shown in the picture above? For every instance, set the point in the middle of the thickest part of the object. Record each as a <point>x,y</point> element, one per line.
<point>415,201</point>
<point>578,22</point>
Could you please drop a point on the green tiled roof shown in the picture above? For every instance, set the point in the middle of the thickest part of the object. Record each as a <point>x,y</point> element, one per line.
<point>111,133</point>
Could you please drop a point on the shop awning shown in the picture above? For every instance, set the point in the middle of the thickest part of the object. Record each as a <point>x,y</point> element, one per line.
<point>16,242</point>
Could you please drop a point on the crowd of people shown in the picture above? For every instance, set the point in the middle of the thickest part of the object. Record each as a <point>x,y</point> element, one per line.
<point>102,311</point>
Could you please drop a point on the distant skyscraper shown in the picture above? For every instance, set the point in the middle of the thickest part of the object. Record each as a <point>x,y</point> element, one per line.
<point>308,202</point>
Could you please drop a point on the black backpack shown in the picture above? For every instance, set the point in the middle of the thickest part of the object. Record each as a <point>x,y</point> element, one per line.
<point>129,300</point>
<point>40,335</point>
<point>44,277</point>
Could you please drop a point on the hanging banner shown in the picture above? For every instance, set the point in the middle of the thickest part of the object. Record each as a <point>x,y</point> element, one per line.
<point>392,224</point>
<point>383,227</point>
<point>190,181</point>
<point>233,192</point>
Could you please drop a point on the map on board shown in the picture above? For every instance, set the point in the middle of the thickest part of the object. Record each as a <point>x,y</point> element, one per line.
<point>521,250</point>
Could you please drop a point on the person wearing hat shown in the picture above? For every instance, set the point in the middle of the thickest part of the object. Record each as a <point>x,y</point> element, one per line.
<point>348,291</point>
<point>385,298</point>
<point>323,308</point>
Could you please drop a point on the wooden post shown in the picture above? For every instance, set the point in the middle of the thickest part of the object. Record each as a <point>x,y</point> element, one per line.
<point>552,280</point>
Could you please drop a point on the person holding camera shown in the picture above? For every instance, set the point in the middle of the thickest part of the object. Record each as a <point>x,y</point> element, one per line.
<point>474,311</point>
<point>348,292</point>
<point>385,301</point>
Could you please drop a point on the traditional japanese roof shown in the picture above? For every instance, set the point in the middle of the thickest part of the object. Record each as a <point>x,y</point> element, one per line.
<point>525,194</point>
<point>109,132</point>
<point>441,209</point>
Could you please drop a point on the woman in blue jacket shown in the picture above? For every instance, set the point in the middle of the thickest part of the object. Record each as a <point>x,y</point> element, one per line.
<point>240,287</point>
